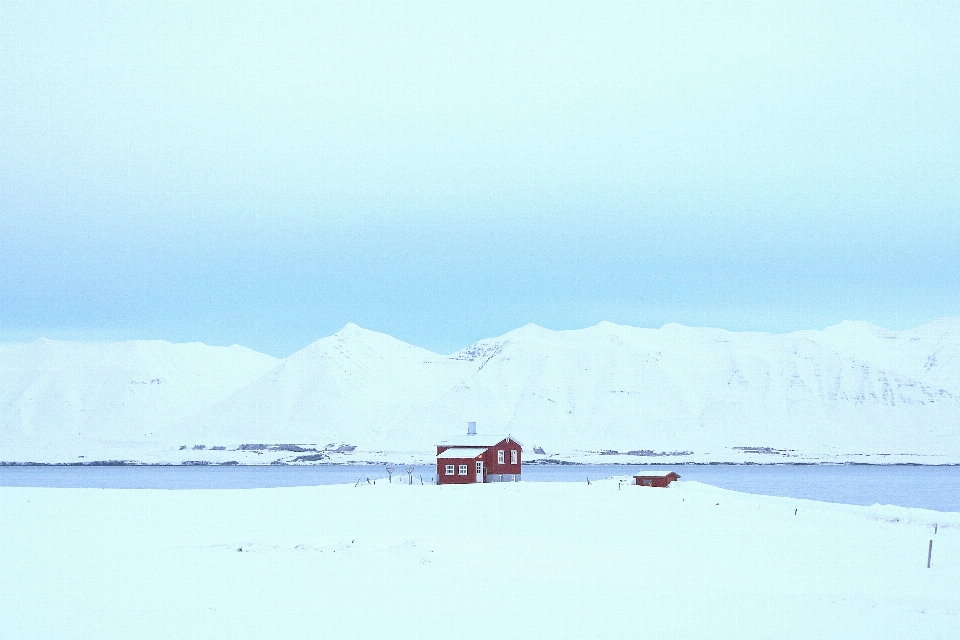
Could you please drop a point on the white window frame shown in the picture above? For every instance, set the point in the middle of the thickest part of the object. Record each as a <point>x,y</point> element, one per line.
<point>513,456</point>
<point>463,469</point>
<point>449,470</point>
<point>500,456</point>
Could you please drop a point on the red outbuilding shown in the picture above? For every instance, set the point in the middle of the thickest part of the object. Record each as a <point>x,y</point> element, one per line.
<point>655,479</point>
<point>474,458</point>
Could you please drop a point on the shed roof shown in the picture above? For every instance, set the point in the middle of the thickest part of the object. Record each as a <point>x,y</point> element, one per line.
<point>461,452</point>
<point>655,474</point>
<point>476,441</point>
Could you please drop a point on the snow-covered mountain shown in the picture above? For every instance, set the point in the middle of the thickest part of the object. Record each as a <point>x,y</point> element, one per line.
<point>850,389</point>
<point>60,400</point>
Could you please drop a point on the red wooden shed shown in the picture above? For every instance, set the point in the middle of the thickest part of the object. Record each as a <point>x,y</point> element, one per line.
<point>655,479</point>
<point>474,458</point>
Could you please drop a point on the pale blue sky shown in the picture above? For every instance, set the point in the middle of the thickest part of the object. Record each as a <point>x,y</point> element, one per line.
<point>264,173</point>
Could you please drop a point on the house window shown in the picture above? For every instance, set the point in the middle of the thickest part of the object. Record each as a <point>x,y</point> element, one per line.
<point>500,456</point>
<point>513,456</point>
<point>463,470</point>
<point>449,469</point>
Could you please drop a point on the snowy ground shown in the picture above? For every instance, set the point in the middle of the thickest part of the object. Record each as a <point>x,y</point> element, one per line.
<point>523,560</point>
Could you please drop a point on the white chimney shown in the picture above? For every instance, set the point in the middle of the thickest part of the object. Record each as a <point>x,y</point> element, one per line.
<point>471,428</point>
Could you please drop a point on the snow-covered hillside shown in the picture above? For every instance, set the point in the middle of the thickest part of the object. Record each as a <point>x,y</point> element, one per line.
<point>853,391</point>
<point>61,400</point>
<point>848,390</point>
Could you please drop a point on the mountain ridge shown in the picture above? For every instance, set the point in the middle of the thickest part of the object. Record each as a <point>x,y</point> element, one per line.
<point>854,388</point>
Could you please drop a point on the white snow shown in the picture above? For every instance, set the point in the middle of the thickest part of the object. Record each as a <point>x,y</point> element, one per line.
<point>513,560</point>
<point>850,392</point>
<point>461,452</point>
<point>60,400</point>
<point>669,390</point>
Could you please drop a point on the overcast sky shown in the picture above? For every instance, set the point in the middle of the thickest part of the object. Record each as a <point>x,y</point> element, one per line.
<point>264,173</point>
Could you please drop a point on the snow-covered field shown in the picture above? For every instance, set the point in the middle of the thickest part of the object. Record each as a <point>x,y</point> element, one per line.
<point>523,560</point>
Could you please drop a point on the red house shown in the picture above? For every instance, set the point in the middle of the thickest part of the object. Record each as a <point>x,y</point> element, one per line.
<point>656,479</point>
<point>471,458</point>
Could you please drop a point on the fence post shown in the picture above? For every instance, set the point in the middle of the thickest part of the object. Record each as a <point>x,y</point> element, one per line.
<point>929,553</point>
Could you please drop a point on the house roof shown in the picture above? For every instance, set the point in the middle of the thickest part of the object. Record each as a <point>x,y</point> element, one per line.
<point>655,474</point>
<point>461,452</point>
<point>476,441</point>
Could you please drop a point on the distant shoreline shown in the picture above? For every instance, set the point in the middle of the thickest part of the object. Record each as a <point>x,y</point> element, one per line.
<point>538,463</point>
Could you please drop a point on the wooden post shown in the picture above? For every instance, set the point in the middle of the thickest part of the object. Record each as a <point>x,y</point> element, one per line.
<point>929,553</point>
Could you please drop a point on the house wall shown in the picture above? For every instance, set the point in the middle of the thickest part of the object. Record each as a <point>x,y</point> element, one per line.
<point>490,459</point>
<point>470,478</point>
